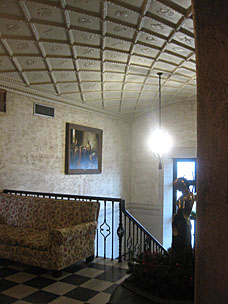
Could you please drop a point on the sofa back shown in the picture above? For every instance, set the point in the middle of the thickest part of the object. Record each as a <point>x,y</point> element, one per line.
<point>45,213</point>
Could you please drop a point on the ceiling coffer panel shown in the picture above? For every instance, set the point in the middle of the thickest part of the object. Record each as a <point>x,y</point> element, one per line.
<point>104,55</point>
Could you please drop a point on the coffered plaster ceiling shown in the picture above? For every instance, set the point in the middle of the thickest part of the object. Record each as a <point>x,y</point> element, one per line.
<point>102,55</point>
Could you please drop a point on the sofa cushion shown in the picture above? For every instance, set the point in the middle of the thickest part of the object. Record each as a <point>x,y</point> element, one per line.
<point>44,213</point>
<point>9,209</point>
<point>25,237</point>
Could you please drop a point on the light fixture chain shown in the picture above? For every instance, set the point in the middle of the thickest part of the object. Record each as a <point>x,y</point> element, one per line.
<point>159,74</point>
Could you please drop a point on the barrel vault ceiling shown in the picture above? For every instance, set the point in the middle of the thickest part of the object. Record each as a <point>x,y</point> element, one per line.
<point>102,55</point>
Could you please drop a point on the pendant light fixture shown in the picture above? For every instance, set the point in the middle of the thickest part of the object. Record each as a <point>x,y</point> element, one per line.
<point>160,141</point>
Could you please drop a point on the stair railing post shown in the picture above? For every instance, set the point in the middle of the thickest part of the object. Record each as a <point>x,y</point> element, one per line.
<point>120,230</point>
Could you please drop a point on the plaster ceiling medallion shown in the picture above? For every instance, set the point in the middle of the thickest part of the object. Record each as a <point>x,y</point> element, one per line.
<point>156,26</point>
<point>92,96</point>
<point>139,70</point>
<point>150,39</point>
<point>171,83</point>
<point>90,76</point>
<point>112,95</point>
<point>185,39</point>
<point>110,103</point>
<point>87,52</point>
<point>113,76</point>
<point>44,12</point>
<point>84,37</point>
<point>23,47</point>
<point>109,86</point>
<point>95,103</point>
<point>186,72</point>
<point>178,78</point>
<point>117,44</point>
<point>84,21</point>
<point>164,66</point>
<point>132,87</point>
<point>180,51</point>
<point>168,89</point>
<point>63,76</point>
<point>145,103</point>
<point>89,65</point>
<point>73,97</point>
<point>51,32</point>
<point>135,78</point>
<point>12,27</point>
<point>91,86</point>
<point>87,37</point>
<point>31,63</point>
<point>141,61</point>
<point>120,30</point>
<point>57,49</point>
<point>150,87</point>
<point>189,65</point>
<point>61,63</point>
<point>90,5</point>
<point>108,66</point>
<point>115,56</point>
<point>188,25</point>
<point>69,87</point>
<point>170,58</point>
<point>130,94</point>
<point>164,11</point>
<point>124,14</point>
<point>145,50</point>
<point>38,77</point>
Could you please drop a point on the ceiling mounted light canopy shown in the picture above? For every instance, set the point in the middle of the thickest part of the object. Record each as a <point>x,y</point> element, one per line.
<point>160,141</point>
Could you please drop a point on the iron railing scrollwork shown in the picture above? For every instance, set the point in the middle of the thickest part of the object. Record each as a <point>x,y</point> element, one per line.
<point>119,234</point>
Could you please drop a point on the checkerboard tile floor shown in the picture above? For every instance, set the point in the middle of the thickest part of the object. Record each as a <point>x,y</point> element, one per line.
<point>81,283</point>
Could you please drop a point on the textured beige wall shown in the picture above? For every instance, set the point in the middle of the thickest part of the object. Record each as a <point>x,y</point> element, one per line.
<point>146,181</point>
<point>32,150</point>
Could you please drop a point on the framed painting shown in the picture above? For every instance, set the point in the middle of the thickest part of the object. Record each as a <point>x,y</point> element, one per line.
<point>83,150</point>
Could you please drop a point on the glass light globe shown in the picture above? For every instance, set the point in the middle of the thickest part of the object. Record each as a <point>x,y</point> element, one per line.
<point>160,142</point>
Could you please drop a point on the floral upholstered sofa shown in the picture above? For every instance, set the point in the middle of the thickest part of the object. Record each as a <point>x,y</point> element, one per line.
<point>48,233</point>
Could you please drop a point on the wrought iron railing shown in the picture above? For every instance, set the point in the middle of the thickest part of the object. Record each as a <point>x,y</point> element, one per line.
<point>119,234</point>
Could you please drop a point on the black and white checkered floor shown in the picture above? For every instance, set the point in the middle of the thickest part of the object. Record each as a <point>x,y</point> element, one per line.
<point>81,283</point>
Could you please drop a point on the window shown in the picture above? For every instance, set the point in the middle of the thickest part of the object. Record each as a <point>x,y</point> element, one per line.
<point>185,167</point>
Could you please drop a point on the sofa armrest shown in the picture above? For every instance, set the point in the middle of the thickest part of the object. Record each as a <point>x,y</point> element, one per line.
<point>64,235</point>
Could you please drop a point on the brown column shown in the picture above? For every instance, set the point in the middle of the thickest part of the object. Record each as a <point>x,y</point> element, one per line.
<point>211,35</point>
